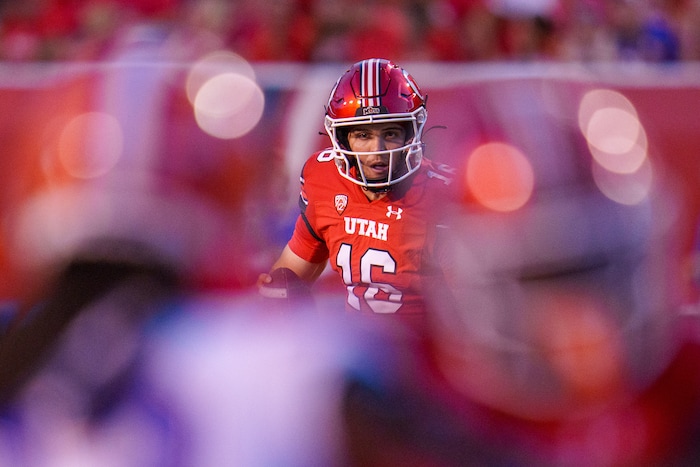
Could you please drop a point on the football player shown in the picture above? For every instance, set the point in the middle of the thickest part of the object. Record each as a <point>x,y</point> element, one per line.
<point>369,203</point>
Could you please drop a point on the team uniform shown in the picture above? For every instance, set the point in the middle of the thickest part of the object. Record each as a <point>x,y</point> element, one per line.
<point>382,249</point>
<point>371,203</point>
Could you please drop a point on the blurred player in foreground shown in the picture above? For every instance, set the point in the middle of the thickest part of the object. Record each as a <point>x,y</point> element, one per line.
<point>566,339</point>
<point>369,203</point>
<point>562,346</point>
<point>577,360</point>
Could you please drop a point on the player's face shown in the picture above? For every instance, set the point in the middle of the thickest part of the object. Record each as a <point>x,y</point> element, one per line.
<point>373,138</point>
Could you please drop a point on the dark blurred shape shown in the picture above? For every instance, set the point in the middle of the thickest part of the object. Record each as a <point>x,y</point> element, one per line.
<point>129,274</point>
<point>403,421</point>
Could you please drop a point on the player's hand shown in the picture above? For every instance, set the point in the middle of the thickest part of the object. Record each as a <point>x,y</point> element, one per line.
<point>284,290</point>
<point>263,278</point>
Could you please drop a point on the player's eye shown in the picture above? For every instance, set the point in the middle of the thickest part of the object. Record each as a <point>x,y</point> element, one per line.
<point>394,135</point>
<point>360,134</point>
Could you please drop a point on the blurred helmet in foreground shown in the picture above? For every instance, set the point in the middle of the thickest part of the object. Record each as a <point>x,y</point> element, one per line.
<point>563,305</point>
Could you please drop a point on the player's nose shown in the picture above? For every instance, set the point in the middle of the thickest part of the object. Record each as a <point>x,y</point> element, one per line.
<point>379,143</point>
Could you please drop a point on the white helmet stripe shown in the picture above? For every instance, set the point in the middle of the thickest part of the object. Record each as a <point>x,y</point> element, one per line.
<point>370,82</point>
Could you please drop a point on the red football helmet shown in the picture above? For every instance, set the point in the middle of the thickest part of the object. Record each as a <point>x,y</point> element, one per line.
<point>376,91</point>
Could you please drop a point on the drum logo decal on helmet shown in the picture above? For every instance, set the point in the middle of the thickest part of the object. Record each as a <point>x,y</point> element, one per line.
<point>372,110</point>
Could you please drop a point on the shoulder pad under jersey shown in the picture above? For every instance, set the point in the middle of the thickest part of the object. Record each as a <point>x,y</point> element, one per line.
<point>442,172</point>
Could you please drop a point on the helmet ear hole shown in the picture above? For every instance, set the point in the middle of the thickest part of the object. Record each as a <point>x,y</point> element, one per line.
<point>408,128</point>
<point>342,137</point>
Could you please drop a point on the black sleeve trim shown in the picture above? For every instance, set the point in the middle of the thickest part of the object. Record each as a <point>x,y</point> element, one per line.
<point>308,226</point>
<point>303,204</point>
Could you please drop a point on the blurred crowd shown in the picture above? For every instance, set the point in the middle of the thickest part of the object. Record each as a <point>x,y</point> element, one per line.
<point>337,30</point>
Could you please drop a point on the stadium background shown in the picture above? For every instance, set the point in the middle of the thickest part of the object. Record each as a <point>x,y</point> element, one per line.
<point>181,127</point>
<point>118,149</point>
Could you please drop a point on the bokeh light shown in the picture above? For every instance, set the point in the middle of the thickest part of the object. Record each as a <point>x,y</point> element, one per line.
<point>500,177</point>
<point>616,138</point>
<point>600,98</point>
<point>628,189</point>
<point>228,105</point>
<point>625,163</point>
<point>90,145</point>
<point>214,64</point>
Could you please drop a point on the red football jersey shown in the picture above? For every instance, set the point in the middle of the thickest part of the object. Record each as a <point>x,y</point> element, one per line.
<point>382,249</point>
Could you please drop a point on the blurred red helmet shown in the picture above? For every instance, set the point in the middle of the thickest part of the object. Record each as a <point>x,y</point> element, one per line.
<point>376,91</point>
<point>564,270</point>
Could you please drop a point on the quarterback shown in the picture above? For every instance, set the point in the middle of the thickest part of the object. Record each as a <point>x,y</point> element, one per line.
<point>369,203</point>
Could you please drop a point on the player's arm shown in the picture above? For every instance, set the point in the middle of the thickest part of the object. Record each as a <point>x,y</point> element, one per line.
<point>303,239</point>
<point>305,270</point>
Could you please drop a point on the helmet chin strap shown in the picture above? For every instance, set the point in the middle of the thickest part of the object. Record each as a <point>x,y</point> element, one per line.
<point>377,189</point>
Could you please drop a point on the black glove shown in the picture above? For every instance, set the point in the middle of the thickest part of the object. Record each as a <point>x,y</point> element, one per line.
<point>287,292</point>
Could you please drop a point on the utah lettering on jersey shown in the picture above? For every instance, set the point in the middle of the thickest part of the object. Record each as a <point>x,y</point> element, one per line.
<point>366,227</point>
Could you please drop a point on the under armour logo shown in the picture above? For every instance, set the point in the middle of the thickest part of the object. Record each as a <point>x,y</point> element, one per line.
<point>390,211</point>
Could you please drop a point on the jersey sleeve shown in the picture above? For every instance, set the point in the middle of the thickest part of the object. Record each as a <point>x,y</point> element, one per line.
<point>305,244</point>
<point>305,241</point>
